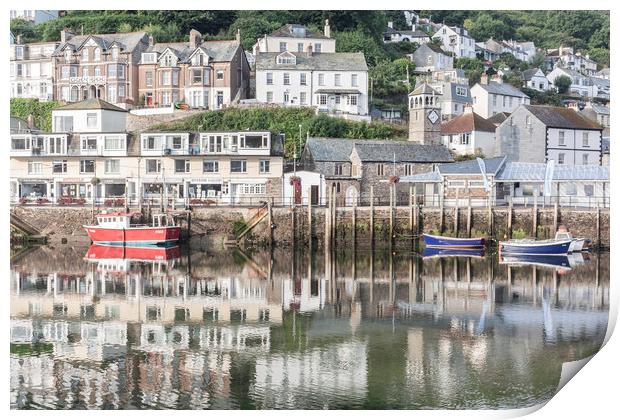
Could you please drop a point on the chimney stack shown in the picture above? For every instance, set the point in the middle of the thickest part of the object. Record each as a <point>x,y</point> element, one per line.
<point>151,41</point>
<point>18,39</point>
<point>65,35</point>
<point>238,36</point>
<point>327,30</point>
<point>468,108</point>
<point>309,50</point>
<point>391,24</point>
<point>497,78</point>
<point>30,122</point>
<point>484,79</point>
<point>194,38</point>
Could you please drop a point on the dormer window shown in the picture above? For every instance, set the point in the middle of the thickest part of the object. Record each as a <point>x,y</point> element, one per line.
<point>84,54</point>
<point>167,60</point>
<point>149,58</point>
<point>68,54</point>
<point>199,60</point>
<point>115,53</point>
<point>286,58</point>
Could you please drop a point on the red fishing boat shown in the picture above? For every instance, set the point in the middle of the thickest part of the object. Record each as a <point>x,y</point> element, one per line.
<point>116,229</point>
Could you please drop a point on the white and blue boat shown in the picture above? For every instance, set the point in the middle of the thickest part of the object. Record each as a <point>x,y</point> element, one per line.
<point>535,247</point>
<point>434,241</point>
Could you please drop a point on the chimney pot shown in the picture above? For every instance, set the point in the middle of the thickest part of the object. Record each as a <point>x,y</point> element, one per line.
<point>151,40</point>
<point>484,79</point>
<point>18,39</point>
<point>238,36</point>
<point>327,30</point>
<point>30,121</point>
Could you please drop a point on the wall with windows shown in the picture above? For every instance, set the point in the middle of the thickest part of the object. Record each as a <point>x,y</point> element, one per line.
<point>88,121</point>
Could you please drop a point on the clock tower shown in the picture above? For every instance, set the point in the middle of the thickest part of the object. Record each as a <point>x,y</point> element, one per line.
<point>424,115</point>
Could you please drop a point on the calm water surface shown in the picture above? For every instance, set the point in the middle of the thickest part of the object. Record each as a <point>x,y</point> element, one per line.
<point>112,328</point>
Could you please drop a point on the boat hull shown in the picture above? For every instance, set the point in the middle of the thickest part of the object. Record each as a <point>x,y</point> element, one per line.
<point>143,253</point>
<point>433,241</point>
<point>453,252</point>
<point>134,235</point>
<point>535,247</point>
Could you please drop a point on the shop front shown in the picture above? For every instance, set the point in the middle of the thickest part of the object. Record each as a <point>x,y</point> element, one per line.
<point>74,188</point>
<point>206,189</point>
<point>31,188</point>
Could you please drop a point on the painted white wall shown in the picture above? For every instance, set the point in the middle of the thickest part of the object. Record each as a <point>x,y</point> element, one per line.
<point>486,106</point>
<point>272,44</point>
<point>478,140</point>
<point>307,180</point>
<point>107,121</point>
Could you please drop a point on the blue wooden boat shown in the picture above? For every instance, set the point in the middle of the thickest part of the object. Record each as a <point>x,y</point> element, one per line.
<point>453,252</point>
<point>535,247</point>
<point>433,241</point>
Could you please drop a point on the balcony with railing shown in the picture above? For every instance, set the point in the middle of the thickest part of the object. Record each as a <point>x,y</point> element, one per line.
<point>88,80</point>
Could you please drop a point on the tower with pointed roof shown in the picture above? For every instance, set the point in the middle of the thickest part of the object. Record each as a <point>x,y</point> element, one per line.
<point>425,115</point>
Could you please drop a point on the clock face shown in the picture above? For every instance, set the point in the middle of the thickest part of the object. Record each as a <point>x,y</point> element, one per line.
<point>432,116</point>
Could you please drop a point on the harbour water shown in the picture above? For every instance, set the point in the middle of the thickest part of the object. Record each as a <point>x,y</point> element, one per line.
<point>107,328</point>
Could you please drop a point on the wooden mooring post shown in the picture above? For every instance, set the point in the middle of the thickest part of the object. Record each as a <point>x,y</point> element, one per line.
<point>441,214</point>
<point>372,217</point>
<point>328,219</point>
<point>469,217</point>
<point>598,227</point>
<point>490,219</point>
<point>456,214</point>
<point>392,199</point>
<point>510,210</point>
<point>270,221</point>
<point>411,213</point>
<point>354,223</point>
<point>535,216</point>
<point>310,218</point>
<point>556,217</point>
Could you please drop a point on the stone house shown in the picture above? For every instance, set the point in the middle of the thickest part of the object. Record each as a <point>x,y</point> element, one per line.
<point>296,38</point>
<point>492,97</point>
<point>540,133</point>
<point>32,70</point>
<point>203,74</point>
<point>597,112</point>
<point>334,83</point>
<point>352,166</point>
<point>103,66</point>
<point>430,57</point>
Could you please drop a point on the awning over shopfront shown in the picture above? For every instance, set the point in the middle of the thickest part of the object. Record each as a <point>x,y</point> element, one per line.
<point>337,91</point>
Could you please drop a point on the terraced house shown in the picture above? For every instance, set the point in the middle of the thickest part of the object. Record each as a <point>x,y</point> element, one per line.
<point>98,66</point>
<point>203,74</point>
<point>87,141</point>
<point>334,83</point>
<point>32,71</point>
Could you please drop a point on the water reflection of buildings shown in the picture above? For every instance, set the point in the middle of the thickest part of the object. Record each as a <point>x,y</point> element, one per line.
<point>176,335</point>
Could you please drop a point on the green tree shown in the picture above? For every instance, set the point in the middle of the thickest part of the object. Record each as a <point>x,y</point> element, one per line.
<point>486,26</point>
<point>41,111</point>
<point>251,29</point>
<point>562,84</point>
<point>356,41</point>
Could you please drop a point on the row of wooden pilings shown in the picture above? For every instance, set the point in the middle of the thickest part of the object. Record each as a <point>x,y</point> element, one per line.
<point>415,219</point>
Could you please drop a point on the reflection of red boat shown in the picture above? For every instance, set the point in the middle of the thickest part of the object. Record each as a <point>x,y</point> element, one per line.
<point>152,253</point>
<point>115,229</point>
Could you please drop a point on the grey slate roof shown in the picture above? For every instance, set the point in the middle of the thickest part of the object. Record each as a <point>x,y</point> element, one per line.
<point>287,31</point>
<point>339,150</point>
<point>559,117</point>
<point>492,166</point>
<point>216,50</point>
<point>535,172</point>
<point>424,88</point>
<point>498,118</point>
<point>529,73</point>
<point>449,92</point>
<point>430,177</point>
<point>126,41</point>
<point>92,103</point>
<point>322,61</point>
<point>503,89</point>
<point>401,151</point>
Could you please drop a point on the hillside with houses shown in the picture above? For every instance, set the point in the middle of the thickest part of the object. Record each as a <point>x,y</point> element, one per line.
<point>456,85</point>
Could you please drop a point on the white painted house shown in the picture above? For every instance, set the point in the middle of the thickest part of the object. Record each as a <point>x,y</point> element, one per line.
<point>469,134</point>
<point>490,98</point>
<point>335,83</point>
<point>535,79</point>
<point>581,85</point>
<point>296,38</point>
<point>457,41</point>
<point>31,70</point>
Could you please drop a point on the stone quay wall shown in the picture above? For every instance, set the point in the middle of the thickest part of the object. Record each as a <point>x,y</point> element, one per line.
<point>213,226</point>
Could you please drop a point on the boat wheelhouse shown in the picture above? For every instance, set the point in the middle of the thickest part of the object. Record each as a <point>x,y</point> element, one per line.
<point>116,229</point>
